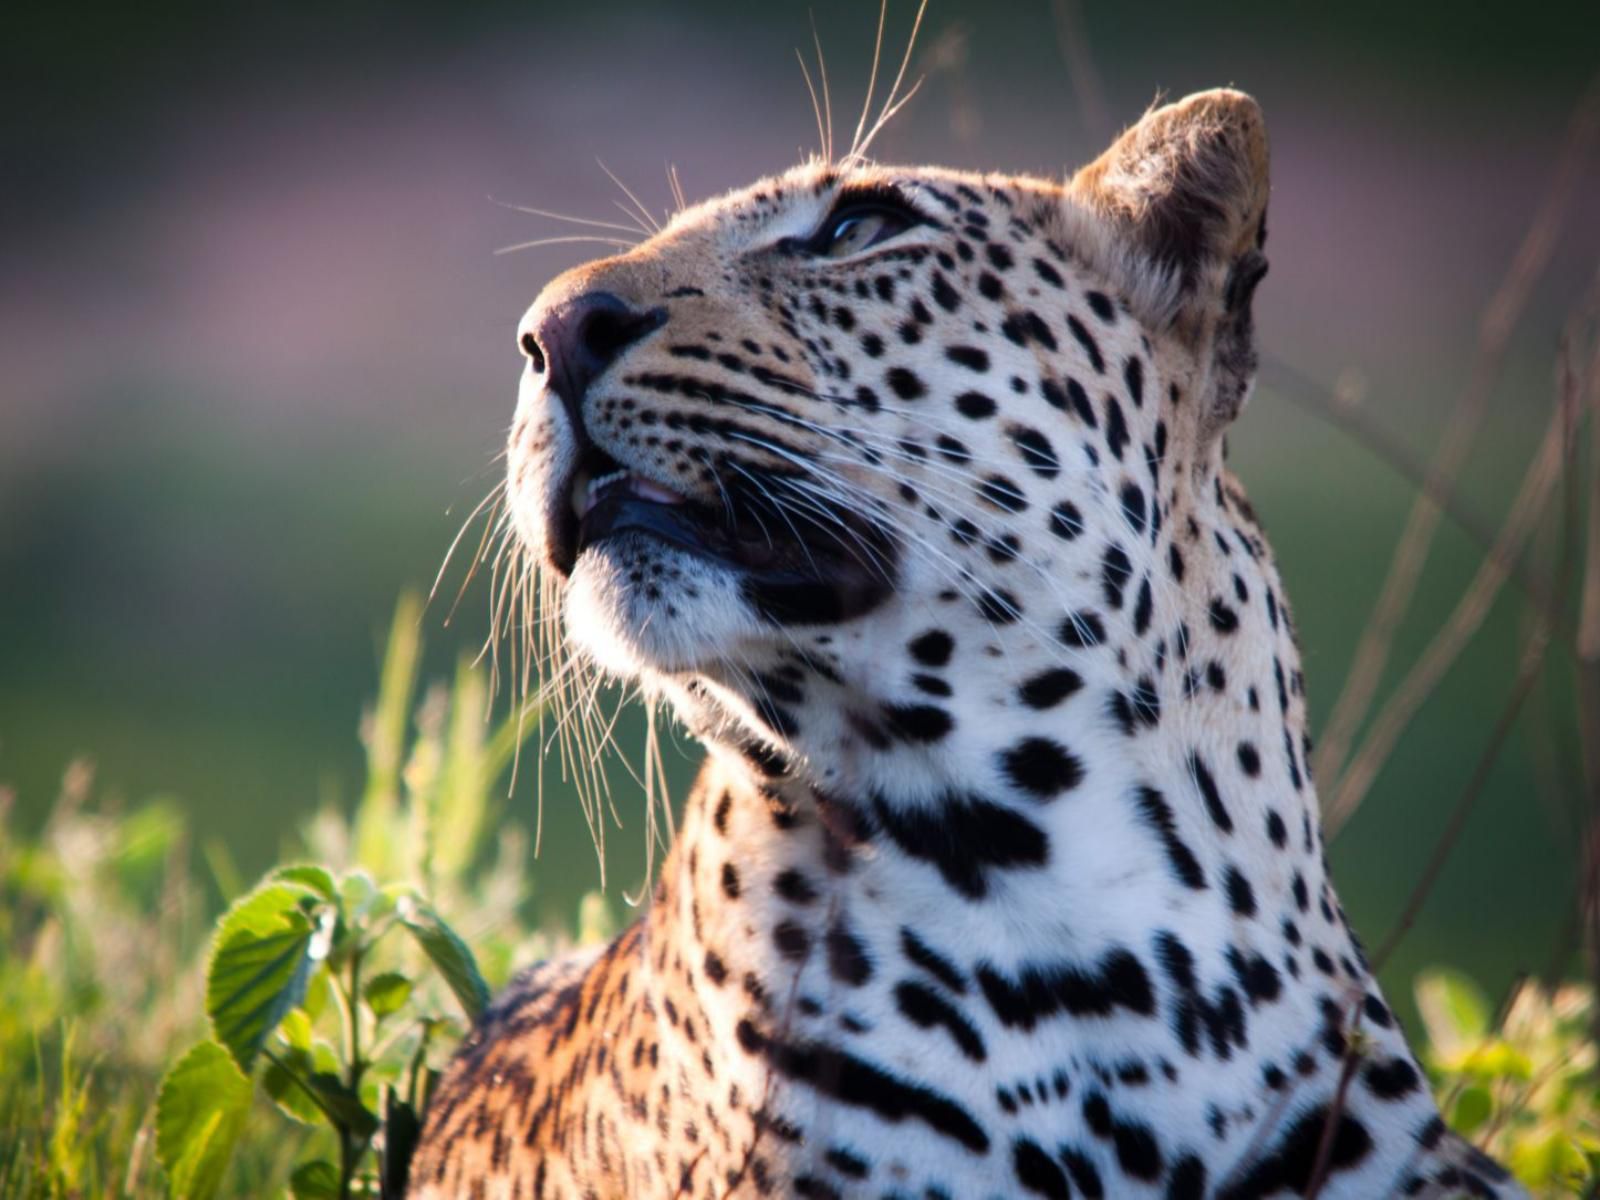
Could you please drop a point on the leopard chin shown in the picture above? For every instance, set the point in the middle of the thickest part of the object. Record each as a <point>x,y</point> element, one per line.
<point>638,606</point>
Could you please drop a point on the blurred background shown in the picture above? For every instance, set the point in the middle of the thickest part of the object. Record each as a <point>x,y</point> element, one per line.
<point>256,359</point>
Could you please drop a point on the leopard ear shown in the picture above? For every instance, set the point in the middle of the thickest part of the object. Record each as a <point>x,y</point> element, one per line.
<point>1188,182</point>
<point>1187,185</point>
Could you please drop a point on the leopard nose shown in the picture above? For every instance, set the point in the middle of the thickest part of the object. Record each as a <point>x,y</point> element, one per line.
<point>575,342</point>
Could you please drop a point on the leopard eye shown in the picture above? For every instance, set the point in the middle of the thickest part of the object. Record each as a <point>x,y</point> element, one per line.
<point>852,228</point>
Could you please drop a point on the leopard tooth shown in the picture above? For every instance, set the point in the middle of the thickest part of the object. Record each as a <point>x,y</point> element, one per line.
<point>586,492</point>
<point>649,489</point>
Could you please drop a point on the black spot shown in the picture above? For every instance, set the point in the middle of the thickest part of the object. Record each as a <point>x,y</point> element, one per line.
<point>1208,792</point>
<point>1086,340</point>
<point>1024,327</point>
<point>1000,256</point>
<point>1082,629</point>
<point>1048,273</point>
<point>1391,1080</point>
<point>1116,427</point>
<point>848,961</point>
<point>855,1081</point>
<point>872,344</point>
<point>1003,493</point>
<point>932,649</point>
<point>1132,496</point>
<point>1100,305</point>
<point>716,970</point>
<point>1041,767</point>
<point>1138,707</point>
<point>1143,607</point>
<point>998,606</point>
<point>975,405</point>
<point>1158,814</point>
<point>1223,619</point>
<point>944,295</point>
<point>1079,400</point>
<point>1036,451</point>
<point>1114,572</point>
<point>730,881</point>
<point>1037,1172</point>
<point>846,1163</point>
<point>1039,991</point>
<point>1249,759</point>
<point>792,941</point>
<point>1137,1152</point>
<point>1133,376</point>
<point>1187,1180</point>
<point>965,837</point>
<point>1083,1172</point>
<point>1049,688</point>
<point>905,384</point>
<point>1066,521</point>
<point>794,887</point>
<point>1241,898</point>
<point>931,961</point>
<point>1259,979</point>
<point>1287,1165</point>
<point>970,357</point>
<point>925,1008</point>
<point>1276,832</point>
<point>917,722</point>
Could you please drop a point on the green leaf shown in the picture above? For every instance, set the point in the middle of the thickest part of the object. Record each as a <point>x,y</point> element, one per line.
<point>447,952</point>
<point>289,1080</point>
<point>1473,1107</point>
<point>1496,1059</point>
<point>307,1087</point>
<point>315,1181</point>
<point>200,1114</point>
<point>261,959</point>
<point>1550,1160</point>
<point>363,900</point>
<point>295,1029</point>
<point>308,875</point>
<point>1453,1010</point>
<point>387,993</point>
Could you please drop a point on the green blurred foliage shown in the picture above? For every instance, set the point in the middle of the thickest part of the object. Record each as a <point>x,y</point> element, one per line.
<point>1523,1087</point>
<point>325,1000</point>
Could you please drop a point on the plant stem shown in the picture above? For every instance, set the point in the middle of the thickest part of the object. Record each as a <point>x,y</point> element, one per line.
<point>352,1148</point>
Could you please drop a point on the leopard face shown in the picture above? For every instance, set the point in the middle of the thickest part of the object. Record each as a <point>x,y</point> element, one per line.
<point>848,402</point>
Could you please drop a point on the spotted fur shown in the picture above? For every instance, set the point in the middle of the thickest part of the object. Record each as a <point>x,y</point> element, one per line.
<point>1004,875</point>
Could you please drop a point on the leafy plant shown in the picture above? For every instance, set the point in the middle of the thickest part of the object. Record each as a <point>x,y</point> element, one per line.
<point>329,990</point>
<point>1525,1088</point>
<point>289,960</point>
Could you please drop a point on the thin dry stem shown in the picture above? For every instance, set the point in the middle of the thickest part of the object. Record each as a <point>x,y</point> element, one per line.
<point>1499,320</point>
<point>1451,639</point>
<point>1073,40</point>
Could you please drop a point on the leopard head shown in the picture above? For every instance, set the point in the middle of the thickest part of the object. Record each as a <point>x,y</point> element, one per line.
<point>833,450</point>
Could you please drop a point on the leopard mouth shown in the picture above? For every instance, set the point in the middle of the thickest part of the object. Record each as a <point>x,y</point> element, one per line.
<point>836,569</point>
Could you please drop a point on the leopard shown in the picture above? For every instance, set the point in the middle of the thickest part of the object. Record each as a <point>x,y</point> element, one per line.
<point>906,490</point>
